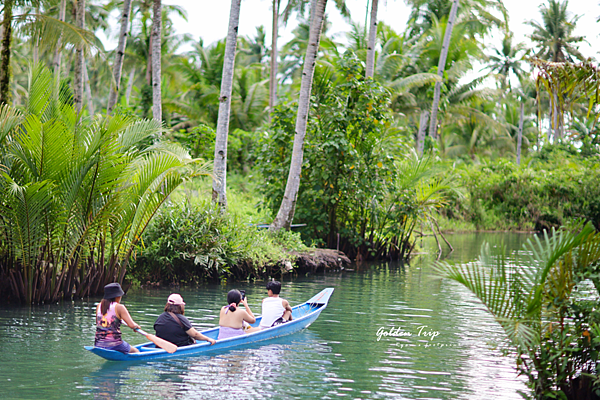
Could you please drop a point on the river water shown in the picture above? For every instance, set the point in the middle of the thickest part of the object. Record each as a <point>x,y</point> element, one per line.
<point>452,351</point>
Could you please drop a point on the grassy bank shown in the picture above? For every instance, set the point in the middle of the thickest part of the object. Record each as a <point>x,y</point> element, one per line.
<point>191,241</point>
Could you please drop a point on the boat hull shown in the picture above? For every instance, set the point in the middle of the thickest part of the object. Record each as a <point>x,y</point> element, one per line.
<point>303,316</point>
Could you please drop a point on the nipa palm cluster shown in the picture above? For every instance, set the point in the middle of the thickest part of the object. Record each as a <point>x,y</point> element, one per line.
<point>76,194</point>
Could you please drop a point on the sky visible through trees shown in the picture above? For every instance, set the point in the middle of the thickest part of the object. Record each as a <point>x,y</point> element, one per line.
<point>208,19</point>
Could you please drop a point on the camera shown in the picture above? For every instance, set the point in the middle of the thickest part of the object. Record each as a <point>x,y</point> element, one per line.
<point>243,292</point>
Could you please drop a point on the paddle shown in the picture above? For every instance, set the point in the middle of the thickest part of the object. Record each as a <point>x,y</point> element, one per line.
<point>163,344</point>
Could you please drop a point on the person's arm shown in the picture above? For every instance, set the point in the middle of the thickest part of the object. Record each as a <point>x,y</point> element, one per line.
<point>123,314</point>
<point>286,305</point>
<point>251,319</point>
<point>197,335</point>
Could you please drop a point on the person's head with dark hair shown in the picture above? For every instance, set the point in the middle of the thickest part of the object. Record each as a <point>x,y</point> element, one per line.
<point>274,287</point>
<point>112,292</point>
<point>175,304</point>
<point>233,299</point>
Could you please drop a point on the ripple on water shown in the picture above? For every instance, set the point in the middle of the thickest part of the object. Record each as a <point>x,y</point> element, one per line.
<point>41,348</point>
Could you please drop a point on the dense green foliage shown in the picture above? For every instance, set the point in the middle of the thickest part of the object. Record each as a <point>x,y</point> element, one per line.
<point>76,195</point>
<point>546,304</point>
<point>553,188</point>
<point>196,242</point>
<point>356,182</point>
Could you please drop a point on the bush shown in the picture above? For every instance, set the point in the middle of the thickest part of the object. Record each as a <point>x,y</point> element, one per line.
<point>193,243</point>
<point>555,187</point>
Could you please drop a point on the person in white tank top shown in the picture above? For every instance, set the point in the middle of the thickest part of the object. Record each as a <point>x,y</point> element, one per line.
<point>275,310</point>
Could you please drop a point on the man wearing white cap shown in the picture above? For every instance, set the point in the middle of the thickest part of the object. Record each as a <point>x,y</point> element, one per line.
<point>174,327</point>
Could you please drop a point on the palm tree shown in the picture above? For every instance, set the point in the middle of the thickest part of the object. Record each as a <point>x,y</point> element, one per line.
<point>506,60</point>
<point>300,7</point>
<point>294,51</point>
<point>273,71</point>
<point>530,301</point>
<point>554,36</point>
<point>156,41</point>
<point>440,70</point>
<point>91,188</point>
<point>120,54</point>
<point>219,194</point>
<point>78,82</point>
<point>424,13</point>
<point>5,52</point>
<point>42,30</point>
<point>286,211</point>
<point>370,70</point>
<point>57,52</point>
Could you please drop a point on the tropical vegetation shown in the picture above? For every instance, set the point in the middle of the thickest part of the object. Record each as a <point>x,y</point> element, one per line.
<point>366,143</point>
<point>546,305</point>
<point>76,194</point>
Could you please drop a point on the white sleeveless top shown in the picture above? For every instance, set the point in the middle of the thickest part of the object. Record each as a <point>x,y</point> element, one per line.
<point>272,309</point>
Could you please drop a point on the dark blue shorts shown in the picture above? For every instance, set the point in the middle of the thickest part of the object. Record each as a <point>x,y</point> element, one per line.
<point>279,321</point>
<point>123,347</point>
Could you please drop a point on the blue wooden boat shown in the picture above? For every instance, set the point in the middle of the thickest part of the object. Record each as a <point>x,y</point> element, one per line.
<point>303,316</point>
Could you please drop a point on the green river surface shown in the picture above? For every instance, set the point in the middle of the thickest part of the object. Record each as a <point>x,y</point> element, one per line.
<point>42,354</point>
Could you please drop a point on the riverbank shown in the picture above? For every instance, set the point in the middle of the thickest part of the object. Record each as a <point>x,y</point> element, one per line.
<point>297,263</point>
<point>191,241</point>
<point>338,354</point>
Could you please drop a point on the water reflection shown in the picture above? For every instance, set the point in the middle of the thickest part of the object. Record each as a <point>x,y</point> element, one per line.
<point>256,372</point>
<point>42,356</point>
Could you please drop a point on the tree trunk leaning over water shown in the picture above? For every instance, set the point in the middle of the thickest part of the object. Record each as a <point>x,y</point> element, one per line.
<point>56,60</point>
<point>520,134</point>
<point>441,66</point>
<point>119,56</point>
<point>79,58</point>
<point>156,60</point>
<point>5,53</point>
<point>273,75</point>
<point>285,215</point>
<point>370,70</point>
<point>219,193</point>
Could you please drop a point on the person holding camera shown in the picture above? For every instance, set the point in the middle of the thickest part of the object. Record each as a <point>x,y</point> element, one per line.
<point>232,318</point>
<point>275,310</point>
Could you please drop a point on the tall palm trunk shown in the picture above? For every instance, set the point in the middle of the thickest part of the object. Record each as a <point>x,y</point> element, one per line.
<point>219,193</point>
<point>421,132</point>
<point>62,11</point>
<point>556,116</point>
<point>5,53</point>
<point>119,56</point>
<point>371,45</point>
<point>273,77</point>
<point>88,90</point>
<point>156,65</point>
<point>36,41</point>
<point>520,134</point>
<point>129,85</point>
<point>441,66</point>
<point>79,57</point>
<point>285,215</point>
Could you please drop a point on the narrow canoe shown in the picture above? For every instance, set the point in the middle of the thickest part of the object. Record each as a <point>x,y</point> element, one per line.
<point>303,315</point>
